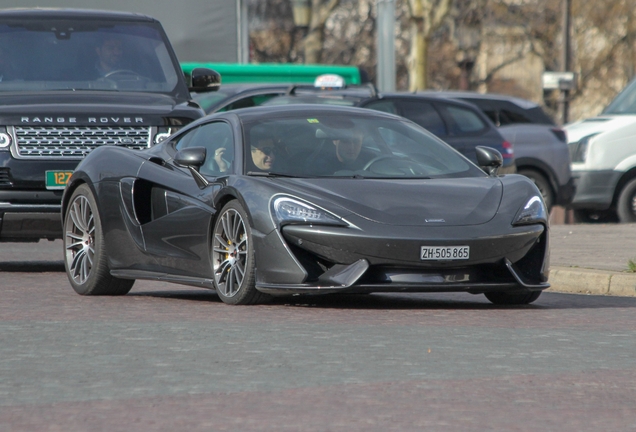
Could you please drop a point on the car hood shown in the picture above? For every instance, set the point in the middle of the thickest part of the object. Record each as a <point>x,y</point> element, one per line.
<point>597,125</point>
<point>416,202</point>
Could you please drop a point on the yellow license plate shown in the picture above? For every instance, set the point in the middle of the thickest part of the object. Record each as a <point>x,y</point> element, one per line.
<point>57,179</point>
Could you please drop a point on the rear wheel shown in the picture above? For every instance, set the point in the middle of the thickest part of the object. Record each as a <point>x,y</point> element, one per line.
<point>84,250</point>
<point>542,184</point>
<point>626,205</point>
<point>516,298</point>
<point>233,257</point>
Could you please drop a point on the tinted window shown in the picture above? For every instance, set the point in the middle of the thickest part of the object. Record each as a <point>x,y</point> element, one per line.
<point>463,121</point>
<point>249,101</point>
<point>76,55</point>
<point>213,137</point>
<point>386,106</point>
<point>425,115</point>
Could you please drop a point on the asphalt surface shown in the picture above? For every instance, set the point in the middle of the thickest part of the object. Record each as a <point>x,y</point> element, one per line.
<point>170,358</point>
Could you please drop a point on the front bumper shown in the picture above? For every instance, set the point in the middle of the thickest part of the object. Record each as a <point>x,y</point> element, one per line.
<point>594,189</point>
<point>339,259</point>
<point>28,216</point>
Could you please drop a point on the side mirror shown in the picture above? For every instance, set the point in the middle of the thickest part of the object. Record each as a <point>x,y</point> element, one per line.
<point>192,158</point>
<point>205,80</point>
<point>489,159</point>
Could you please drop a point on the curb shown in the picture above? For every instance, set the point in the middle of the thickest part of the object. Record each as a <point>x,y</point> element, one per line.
<point>588,281</point>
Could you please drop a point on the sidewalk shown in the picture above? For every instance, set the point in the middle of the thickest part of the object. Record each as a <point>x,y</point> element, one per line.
<point>593,259</point>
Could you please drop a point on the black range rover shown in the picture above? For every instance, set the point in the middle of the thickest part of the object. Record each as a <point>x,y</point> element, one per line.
<point>73,80</point>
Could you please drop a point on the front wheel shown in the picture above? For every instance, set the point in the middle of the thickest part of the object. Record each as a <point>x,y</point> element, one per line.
<point>233,257</point>
<point>84,250</point>
<point>626,205</point>
<point>516,298</point>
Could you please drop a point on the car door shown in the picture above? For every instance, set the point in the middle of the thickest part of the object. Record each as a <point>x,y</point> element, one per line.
<point>178,212</point>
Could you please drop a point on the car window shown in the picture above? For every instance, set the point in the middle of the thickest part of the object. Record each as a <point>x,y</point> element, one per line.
<point>386,106</point>
<point>215,136</point>
<point>249,101</point>
<point>463,120</point>
<point>424,114</point>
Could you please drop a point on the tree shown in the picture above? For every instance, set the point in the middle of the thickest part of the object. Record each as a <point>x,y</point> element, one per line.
<point>425,17</point>
<point>313,42</point>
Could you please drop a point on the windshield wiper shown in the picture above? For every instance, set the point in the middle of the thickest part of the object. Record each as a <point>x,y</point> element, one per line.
<point>269,174</point>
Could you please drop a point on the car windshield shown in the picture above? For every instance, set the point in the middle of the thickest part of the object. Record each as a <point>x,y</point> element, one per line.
<point>348,145</point>
<point>625,102</point>
<point>39,55</point>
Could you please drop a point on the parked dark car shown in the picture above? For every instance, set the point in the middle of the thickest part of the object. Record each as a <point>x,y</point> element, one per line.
<point>72,81</point>
<point>227,204</point>
<point>541,151</point>
<point>458,123</point>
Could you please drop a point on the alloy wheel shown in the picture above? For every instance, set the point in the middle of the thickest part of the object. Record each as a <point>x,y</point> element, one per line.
<point>230,247</point>
<point>80,240</point>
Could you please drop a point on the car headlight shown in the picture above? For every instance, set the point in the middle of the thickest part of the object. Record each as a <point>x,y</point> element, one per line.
<point>287,210</point>
<point>578,150</point>
<point>5,140</point>
<point>533,212</point>
<point>164,132</point>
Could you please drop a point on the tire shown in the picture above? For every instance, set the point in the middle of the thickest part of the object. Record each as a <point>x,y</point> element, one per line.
<point>233,257</point>
<point>542,184</point>
<point>517,298</point>
<point>626,205</point>
<point>594,216</point>
<point>84,249</point>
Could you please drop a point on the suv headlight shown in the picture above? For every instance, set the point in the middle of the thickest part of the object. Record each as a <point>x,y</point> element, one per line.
<point>286,210</point>
<point>164,132</point>
<point>5,140</point>
<point>533,212</point>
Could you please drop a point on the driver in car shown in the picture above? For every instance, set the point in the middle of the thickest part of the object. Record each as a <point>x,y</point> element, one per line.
<point>110,56</point>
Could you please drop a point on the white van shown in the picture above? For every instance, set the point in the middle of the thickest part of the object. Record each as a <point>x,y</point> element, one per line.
<point>603,154</point>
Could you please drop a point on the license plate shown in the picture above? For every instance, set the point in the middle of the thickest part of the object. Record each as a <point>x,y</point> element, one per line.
<point>57,179</point>
<point>444,252</point>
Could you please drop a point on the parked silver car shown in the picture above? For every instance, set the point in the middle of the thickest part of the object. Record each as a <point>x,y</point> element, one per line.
<point>541,151</point>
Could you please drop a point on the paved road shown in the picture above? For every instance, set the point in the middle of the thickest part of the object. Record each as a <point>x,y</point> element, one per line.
<point>170,358</point>
<point>164,358</point>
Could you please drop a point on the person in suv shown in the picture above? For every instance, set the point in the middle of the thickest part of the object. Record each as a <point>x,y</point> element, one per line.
<point>55,107</point>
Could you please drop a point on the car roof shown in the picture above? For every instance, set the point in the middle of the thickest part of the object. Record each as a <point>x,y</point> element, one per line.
<point>308,109</point>
<point>68,13</point>
<point>522,103</point>
<point>430,97</point>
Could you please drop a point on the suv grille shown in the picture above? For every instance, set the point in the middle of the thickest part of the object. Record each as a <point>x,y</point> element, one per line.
<point>76,141</point>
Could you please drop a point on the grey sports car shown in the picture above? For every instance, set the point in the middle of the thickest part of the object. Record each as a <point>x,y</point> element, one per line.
<point>304,199</point>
